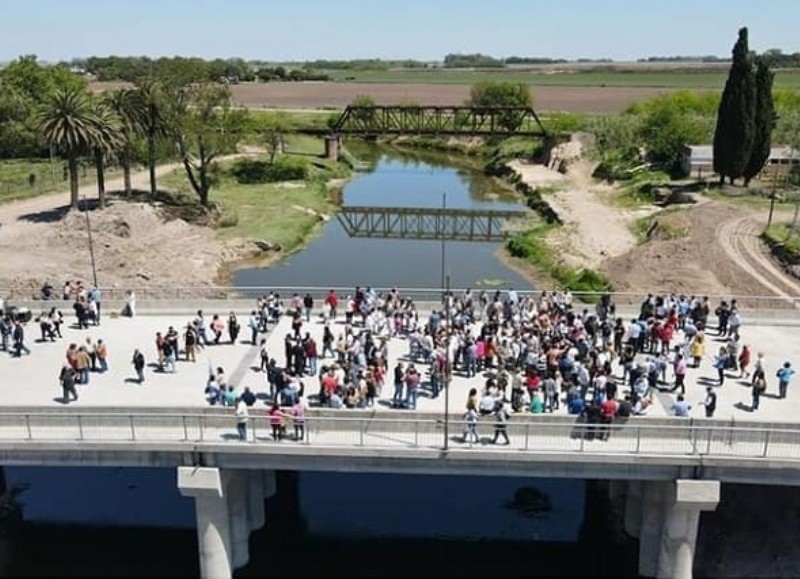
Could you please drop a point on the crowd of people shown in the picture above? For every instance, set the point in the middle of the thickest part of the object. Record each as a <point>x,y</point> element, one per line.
<point>535,353</point>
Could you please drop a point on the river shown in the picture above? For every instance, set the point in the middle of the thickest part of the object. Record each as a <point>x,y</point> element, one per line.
<point>408,180</point>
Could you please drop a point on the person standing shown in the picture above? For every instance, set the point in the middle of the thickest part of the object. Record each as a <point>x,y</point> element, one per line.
<point>720,363</point>
<point>680,374</point>
<point>190,342</point>
<point>83,362</point>
<point>333,302</point>
<point>138,364</point>
<point>299,418</point>
<point>744,362</point>
<point>233,327</point>
<point>470,426</point>
<point>253,324</point>
<point>67,380</point>
<point>710,402</point>
<point>308,306</point>
<point>276,421</point>
<point>784,377</point>
<point>101,351</point>
<point>95,297</point>
<point>18,335</point>
<point>759,387</point>
<point>500,422</point>
<point>242,417</point>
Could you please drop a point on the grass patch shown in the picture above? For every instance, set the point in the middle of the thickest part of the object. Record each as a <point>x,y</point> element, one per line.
<point>780,233</point>
<point>16,182</point>
<point>638,191</point>
<point>657,226</point>
<point>285,213</point>
<point>530,246</point>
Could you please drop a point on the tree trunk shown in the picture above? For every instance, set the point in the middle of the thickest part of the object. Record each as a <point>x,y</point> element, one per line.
<point>747,182</point>
<point>721,180</point>
<point>126,172</point>
<point>99,163</point>
<point>72,167</point>
<point>151,161</point>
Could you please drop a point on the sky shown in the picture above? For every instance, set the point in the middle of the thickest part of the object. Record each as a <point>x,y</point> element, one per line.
<point>297,30</point>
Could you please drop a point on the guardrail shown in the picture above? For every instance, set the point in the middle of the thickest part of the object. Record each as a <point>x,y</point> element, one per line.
<point>193,293</point>
<point>560,436</point>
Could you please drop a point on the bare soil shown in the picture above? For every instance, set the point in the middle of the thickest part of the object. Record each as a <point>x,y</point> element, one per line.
<point>720,252</point>
<point>338,95</point>
<point>135,244</point>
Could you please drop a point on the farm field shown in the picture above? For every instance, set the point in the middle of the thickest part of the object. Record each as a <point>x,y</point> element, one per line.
<point>338,95</point>
<point>684,78</point>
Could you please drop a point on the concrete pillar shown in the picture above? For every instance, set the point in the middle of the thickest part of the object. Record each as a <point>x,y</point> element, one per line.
<point>689,498</point>
<point>255,499</point>
<point>206,486</point>
<point>333,146</point>
<point>236,483</point>
<point>633,508</point>
<point>655,495</point>
<point>270,483</point>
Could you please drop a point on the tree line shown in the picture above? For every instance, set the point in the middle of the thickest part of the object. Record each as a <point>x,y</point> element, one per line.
<point>133,68</point>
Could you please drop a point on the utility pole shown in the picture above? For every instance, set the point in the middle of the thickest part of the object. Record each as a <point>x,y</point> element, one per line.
<point>91,245</point>
<point>772,196</point>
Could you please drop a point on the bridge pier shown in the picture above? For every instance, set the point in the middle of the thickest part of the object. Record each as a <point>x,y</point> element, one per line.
<point>333,147</point>
<point>665,516</point>
<point>229,505</point>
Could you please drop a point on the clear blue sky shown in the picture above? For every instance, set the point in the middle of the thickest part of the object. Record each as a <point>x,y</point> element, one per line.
<point>422,29</point>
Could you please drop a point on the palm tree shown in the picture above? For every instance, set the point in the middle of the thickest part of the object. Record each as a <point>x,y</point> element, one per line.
<point>155,121</point>
<point>129,106</point>
<point>106,139</point>
<point>68,124</point>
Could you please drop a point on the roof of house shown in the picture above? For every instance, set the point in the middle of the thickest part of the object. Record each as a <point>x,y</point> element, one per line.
<point>700,153</point>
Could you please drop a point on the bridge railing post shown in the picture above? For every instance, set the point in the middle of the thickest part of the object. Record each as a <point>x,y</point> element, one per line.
<point>80,427</point>
<point>709,433</point>
<point>767,437</point>
<point>28,426</point>
<point>361,432</point>
<point>527,435</point>
<point>202,425</point>
<point>638,438</point>
<point>185,430</point>
<point>133,429</point>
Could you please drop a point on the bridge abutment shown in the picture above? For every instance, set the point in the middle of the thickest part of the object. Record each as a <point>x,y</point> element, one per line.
<point>665,516</point>
<point>229,505</point>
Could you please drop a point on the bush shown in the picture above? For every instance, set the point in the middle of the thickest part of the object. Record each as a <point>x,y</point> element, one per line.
<point>250,171</point>
<point>229,218</point>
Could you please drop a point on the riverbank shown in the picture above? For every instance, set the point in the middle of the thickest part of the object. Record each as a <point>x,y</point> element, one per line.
<point>166,241</point>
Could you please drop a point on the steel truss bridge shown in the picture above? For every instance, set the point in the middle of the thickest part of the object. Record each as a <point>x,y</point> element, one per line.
<point>425,223</point>
<point>439,120</point>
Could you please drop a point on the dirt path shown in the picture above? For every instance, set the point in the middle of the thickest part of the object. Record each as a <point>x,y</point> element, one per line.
<point>739,237</point>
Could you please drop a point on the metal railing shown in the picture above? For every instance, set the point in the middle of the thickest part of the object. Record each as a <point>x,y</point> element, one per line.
<point>631,438</point>
<point>432,295</point>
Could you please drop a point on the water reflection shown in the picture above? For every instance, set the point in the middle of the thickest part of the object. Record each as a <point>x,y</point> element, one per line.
<point>402,180</point>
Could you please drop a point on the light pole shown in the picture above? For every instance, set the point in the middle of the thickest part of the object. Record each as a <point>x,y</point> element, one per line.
<point>442,229</point>
<point>91,245</point>
<point>447,369</point>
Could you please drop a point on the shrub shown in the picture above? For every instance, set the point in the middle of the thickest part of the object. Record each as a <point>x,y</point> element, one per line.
<point>229,218</point>
<point>250,171</point>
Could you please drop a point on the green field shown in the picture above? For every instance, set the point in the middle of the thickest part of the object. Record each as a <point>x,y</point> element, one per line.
<point>671,79</point>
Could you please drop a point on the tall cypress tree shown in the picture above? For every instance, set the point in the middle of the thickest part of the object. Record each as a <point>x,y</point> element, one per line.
<point>764,121</point>
<point>733,138</point>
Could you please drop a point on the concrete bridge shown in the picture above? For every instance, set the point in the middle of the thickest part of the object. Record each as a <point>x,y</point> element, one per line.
<point>667,470</point>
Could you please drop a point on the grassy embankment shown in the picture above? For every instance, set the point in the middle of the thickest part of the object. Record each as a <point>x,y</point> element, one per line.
<point>682,78</point>
<point>780,234</point>
<point>286,213</point>
<point>15,178</point>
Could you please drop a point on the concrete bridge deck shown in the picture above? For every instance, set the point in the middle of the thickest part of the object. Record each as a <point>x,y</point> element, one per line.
<point>32,380</point>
